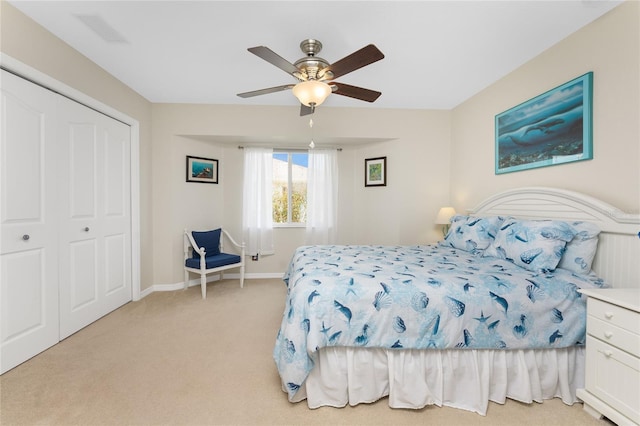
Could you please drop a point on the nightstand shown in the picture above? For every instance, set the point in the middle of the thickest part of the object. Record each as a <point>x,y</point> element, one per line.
<point>612,376</point>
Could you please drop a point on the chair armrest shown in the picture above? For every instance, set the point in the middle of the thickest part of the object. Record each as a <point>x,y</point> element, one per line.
<point>240,246</point>
<point>192,242</point>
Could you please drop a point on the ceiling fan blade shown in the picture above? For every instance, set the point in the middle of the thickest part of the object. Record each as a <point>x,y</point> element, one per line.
<point>356,92</point>
<point>266,91</point>
<point>274,59</point>
<point>306,110</point>
<point>365,56</point>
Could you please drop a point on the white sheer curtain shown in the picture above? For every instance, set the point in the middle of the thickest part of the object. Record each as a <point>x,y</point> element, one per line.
<point>257,214</point>
<point>322,196</point>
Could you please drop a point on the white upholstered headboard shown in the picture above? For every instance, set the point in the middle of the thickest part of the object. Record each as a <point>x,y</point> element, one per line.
<point>617,260</point>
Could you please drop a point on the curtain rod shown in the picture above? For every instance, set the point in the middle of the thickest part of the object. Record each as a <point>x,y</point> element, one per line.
<point>288,149</point>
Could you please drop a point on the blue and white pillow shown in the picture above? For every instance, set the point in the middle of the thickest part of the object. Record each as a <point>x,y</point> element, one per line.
<point>472,234</point>
<point>536,245</point>
<point>581,250</point>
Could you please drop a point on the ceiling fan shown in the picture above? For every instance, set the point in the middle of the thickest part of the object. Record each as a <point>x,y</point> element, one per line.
<point>316,75</point>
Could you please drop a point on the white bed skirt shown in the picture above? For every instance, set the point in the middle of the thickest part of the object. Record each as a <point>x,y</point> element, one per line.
<point>466,379</point>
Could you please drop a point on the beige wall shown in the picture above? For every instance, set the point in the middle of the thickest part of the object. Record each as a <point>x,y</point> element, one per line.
<point>610,47</point>
<point>415,143</point>
<point>22,39</point>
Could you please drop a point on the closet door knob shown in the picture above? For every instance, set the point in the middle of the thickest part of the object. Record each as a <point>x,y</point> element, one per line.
<point>86,229</point>
<point>25,237</point>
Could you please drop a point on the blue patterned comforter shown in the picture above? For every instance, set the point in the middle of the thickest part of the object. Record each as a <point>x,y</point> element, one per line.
<point>421,297</point>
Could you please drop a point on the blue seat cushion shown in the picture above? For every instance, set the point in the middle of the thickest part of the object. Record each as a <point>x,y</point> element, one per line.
<point>210,240</point>
<point>216,261</point>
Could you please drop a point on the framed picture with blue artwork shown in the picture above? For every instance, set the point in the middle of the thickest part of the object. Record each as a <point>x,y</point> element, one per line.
<point>552,128</point>
<point>203,170</point>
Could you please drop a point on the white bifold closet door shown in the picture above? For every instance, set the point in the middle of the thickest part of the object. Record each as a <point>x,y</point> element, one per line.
<point>95,221</point>
<point>65,218</point>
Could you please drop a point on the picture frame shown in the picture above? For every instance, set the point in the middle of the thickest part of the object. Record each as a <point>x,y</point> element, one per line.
<point>553,128</point>
<point>375,171</point>
<point>203,170</point>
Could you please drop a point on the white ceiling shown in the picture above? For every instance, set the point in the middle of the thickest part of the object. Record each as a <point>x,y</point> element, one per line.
<point>437,53</point>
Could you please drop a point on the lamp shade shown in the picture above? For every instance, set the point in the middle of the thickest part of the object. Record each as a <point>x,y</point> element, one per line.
<point>311,92</point>
<point>444,215</point>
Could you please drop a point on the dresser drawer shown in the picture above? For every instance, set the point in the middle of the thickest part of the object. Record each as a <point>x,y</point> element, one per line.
<point>614,335</point>
<point>614,377</point>
<point>615,315</point>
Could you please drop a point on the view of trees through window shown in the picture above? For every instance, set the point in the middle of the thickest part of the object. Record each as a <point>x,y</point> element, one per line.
<point>290,187</point>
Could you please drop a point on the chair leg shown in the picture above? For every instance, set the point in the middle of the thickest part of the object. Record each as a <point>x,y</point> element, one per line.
<point>203,285</point>
<point>242,277</point>
<point>186,279</point>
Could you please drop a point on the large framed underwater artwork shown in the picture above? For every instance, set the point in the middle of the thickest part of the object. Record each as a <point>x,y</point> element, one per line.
<point>552,128</point>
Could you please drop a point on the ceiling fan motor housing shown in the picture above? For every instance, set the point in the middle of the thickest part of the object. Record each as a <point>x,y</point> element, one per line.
<point>312,67</point>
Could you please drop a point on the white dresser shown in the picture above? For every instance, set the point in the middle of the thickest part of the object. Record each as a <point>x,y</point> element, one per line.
<point>612,379</point>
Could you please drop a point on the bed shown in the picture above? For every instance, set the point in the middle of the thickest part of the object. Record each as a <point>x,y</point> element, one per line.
<point>491,312</point>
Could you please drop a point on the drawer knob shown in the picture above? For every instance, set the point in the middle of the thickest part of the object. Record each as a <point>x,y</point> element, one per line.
<point>608,334</point>
<point>608,354</point>
<point>26,237</point>
<point>608,315</point>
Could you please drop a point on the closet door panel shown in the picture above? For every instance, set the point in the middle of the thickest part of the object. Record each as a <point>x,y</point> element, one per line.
<point>81,139</point>
<point>79,296</point>
<point>80,299</point>
<point>22,158</point>
<point>82,285</point>
<point>116,155</point>
<point>28,221</point>
<point>116,265</point>
<point>116,213</point>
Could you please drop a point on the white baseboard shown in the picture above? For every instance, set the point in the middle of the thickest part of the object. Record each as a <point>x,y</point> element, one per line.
<point>179,286</point>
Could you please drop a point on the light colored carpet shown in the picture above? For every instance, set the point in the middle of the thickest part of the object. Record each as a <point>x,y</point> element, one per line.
<point>175,359</point>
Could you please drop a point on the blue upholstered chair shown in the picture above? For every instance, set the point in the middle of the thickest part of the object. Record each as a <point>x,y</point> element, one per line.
<point>204,254</point>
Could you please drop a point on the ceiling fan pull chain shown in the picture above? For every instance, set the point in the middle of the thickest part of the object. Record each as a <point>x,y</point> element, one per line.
<point>312,144</point>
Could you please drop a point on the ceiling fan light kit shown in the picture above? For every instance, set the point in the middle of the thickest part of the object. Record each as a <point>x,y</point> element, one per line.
<point>315,73</point>
<point>312,92</point>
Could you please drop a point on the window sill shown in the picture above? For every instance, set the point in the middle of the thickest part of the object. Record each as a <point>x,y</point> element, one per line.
<point>289,225</point>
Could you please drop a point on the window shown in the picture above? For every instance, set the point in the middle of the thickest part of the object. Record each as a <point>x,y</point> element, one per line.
<point>290,187</point>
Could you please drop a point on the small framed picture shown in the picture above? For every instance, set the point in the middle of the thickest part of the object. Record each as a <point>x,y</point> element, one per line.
<point>375,171</point>
<point>204,170</point>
